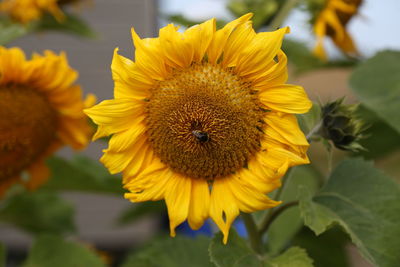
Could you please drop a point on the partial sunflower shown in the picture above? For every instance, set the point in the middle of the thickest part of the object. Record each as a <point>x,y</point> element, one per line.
<point>41,109</point>
<point>204,120</point>
<point>25,11</point>
<point>331,21</point>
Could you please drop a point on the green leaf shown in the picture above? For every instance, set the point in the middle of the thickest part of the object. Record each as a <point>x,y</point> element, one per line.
<point>38,212</point>
<point>316,216</point>
<point>81,174</point>
<point>50,251</point>
<point>289,222</point>
<point>2,255</point>
<point>293,257</point>
<point>327,249</point>
<point>380,138</point>
<point>172,252</point>
<point>376,82</point>
<point>366,203</point>
<point>10,31</point>
<point>72,25</point>
<point>234,254</point>
<point>137,211</point>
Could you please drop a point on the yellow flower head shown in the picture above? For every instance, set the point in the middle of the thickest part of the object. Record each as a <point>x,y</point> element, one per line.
<point>204,120</point>
<point>41,110</point>
<point>331,21</point>
<point>26,11</point>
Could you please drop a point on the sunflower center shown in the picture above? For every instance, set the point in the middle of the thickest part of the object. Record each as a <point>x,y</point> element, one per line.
<point>204,121</point>
<point>27,127</point>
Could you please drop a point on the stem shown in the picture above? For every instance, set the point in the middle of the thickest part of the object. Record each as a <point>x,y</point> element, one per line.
<point>330,160</point>
<point>254,236</point>
<point>314,130</point>
<point>276,197</point>
<point>282,14</point>
<point>266,223</point>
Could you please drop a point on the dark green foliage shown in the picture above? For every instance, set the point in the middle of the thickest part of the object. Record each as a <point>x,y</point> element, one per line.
<point>51,251</point>
<point>38,212</point>
<point>365,203</point>
<point>172,252</point>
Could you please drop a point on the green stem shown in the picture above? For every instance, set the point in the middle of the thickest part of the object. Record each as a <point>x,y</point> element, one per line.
<point>314,131</point>
<point>330,160</point>
<point>266,223</point>
<point>276,196</point>
<point>282,14</point>
<point>254,236</point>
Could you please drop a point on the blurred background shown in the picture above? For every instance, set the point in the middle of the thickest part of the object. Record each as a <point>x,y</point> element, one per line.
<point>375,28</point>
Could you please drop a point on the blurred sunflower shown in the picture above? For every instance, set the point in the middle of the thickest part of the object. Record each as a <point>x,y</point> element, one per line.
<point>204,120</point>
<point>331,21</point>
<point>41,110</point>
<point>25,11</point>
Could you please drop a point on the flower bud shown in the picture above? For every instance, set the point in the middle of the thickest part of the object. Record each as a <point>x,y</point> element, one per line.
<point>340,125</point>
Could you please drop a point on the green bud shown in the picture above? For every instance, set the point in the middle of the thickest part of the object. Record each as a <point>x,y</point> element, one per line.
<point>341,126</point>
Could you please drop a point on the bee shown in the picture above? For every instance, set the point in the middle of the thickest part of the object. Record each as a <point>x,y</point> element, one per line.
<point>201,136</point>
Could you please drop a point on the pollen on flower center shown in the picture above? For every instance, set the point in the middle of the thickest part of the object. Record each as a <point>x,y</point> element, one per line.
<point>204,121</point>
<point>27,127</point>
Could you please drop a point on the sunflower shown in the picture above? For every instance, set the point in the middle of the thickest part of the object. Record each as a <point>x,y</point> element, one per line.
<point>41,110</point>
<point>26,11</point>
<point>204,120</point>
<point>331,21</point>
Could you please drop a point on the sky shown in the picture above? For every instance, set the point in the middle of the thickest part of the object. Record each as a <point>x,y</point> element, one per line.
<point>375,28</point>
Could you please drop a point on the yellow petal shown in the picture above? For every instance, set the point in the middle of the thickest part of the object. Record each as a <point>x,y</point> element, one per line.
<point>129,80</point>
<point>12,65</point>
<point>286,126</point>
<point>178,51</point>
<point>242,190</point>
<point>118,161</point>
<point>140,161</point>
<point>200,36</point>
<point>220,38</point>
<point>260,177</point>
<point>150,185</point>
<point>285,98</point>
<point>274,158</point>
<point>90,101</point>
<point>177,198</point>
<point>153,173</point>
<point>70,131</point>
<point>277,74</point>
<point>238,40</point>
<point>223,206</point>
<point>114,115</point>
<point>125,139</point>
<point>333,21</point>
<point>149,56</point>
<point>258,57</point>
<point>346,44</point>
<point>199,203</point>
